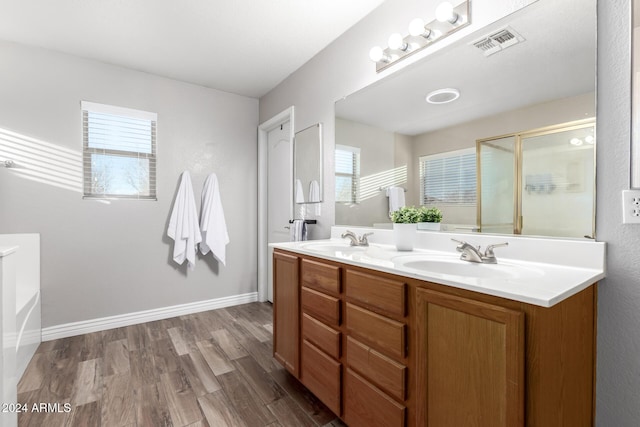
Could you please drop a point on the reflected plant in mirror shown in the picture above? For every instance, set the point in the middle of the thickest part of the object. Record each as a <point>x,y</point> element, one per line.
<point>527,98</point>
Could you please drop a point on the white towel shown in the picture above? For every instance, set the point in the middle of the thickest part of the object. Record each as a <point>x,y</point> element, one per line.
<point>183,225</point>
<point>314,196</point>
<point>212,223</point>
<point>298,230</point>
<point>396,198</point>
<point>299,192</point>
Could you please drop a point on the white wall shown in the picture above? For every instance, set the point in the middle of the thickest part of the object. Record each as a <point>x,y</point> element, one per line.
<point>317,85</point>
<point>103,259</point>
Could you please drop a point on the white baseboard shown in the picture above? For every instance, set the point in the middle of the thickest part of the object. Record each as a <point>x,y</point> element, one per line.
<point>104,323</point>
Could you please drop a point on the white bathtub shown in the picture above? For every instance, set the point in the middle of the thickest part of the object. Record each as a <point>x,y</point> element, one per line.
<point>22,331</point>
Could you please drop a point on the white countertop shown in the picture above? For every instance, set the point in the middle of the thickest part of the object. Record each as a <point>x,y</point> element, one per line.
<point>568,269</point>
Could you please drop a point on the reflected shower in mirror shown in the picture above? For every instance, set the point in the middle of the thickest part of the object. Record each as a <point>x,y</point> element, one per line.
<point>530,70</point>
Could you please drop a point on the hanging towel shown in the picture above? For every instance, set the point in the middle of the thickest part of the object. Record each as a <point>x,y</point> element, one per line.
<point>183,225</point>
<point>314,196</point>
<point>299,192</point>
<point>212,223</point>
<point>396,198</point>
<point>298,230</point>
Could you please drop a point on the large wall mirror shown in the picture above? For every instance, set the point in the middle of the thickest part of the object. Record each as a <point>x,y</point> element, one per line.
<point>526,89</point>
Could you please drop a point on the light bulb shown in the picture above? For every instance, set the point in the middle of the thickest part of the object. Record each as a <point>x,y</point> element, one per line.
<point>416,28</point>
<point>445,13</point>
<point>589,139</point>
<point>575,141</point>
<point>376,54</point>
<point>397,42</point>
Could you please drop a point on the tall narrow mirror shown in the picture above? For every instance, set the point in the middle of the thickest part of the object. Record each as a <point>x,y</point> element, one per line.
<point>307,165</point>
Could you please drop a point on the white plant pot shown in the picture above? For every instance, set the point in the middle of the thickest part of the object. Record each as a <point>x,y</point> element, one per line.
<point>404,236</point>
<point>431,226</point>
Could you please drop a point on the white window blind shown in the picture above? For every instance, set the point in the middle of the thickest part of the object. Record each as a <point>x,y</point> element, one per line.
<point>347,161</point>
<point>119,152</point>
<point>448,178</point>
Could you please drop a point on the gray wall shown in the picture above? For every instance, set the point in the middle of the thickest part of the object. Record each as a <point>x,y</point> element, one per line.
<point>618,373</point>
<point>317,85</point>
<point>103,259</point>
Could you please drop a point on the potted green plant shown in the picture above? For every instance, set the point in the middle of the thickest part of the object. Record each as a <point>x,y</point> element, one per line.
<point>405,222</point>
<point>430,218</point>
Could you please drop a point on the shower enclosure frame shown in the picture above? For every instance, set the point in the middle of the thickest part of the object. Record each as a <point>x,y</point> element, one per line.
<point>518,168</point>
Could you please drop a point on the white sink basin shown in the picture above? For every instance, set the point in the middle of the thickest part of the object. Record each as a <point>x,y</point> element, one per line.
<point>454,266</point>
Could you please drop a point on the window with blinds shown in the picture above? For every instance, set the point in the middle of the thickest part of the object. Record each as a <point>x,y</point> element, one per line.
<point>119,152</point>
<point>347,161</point>
<point>448,178</point>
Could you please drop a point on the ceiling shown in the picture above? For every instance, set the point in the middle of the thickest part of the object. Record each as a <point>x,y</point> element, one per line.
<point>556,60</point>
<point>245,47</point>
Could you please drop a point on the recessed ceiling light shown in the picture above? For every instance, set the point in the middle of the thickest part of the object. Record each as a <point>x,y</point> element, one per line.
<point>442,96</point>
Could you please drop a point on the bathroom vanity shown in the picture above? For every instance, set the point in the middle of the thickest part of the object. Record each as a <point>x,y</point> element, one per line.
<point>384,341</point>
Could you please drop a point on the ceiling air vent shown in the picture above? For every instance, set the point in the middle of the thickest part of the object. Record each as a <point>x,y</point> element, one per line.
<point>498,41</point>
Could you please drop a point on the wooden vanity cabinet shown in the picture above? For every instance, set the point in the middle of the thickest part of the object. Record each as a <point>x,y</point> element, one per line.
<point>321,319</point>
<point>385,350</point>
<point>286,311</point>
<point>470,362</point>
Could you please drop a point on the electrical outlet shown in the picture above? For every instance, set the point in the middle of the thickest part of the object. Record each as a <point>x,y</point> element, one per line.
<point>631,206</point>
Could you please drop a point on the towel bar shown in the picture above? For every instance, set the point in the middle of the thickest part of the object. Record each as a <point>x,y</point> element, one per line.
<point>386,188</point>
<point>306,221</point>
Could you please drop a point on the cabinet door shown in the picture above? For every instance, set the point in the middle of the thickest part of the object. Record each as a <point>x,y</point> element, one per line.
<point>470,362</point>
<point>286,317</point>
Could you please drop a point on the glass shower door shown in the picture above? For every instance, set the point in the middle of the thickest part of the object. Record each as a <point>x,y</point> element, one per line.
<point>497,184</point>
<point>558,182</point>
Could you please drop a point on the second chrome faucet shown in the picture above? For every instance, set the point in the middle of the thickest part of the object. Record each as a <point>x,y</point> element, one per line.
<point>355,240</point>
<point>472,254</point>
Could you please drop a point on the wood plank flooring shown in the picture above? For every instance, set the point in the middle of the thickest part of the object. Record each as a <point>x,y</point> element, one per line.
<point>207,369</point>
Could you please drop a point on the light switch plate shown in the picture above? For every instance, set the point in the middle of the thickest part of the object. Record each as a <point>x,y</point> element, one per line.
<point>631,206</point>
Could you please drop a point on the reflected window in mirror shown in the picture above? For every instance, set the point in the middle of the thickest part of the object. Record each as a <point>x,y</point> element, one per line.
<point>347,161</point>
<point>448,182</point>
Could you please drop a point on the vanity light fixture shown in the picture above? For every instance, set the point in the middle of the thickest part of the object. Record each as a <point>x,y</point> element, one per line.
<point>443,96</point>
<point>449,19</point>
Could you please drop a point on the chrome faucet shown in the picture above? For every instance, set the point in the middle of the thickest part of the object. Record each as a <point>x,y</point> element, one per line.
<point>472,254</point>
<point>355,240</point>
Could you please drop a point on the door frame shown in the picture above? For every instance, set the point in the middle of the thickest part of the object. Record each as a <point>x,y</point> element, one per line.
<point>263,252</point>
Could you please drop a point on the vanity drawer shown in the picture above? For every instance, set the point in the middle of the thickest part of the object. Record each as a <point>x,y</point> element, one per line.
<point>385,373</point>
<point>319,276</point>
<point>377,292</point>
<point>325,338</point>
<point>366,405</point>
<point>321,306</point>
<point>386,335</point>
<point>322,375</point>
